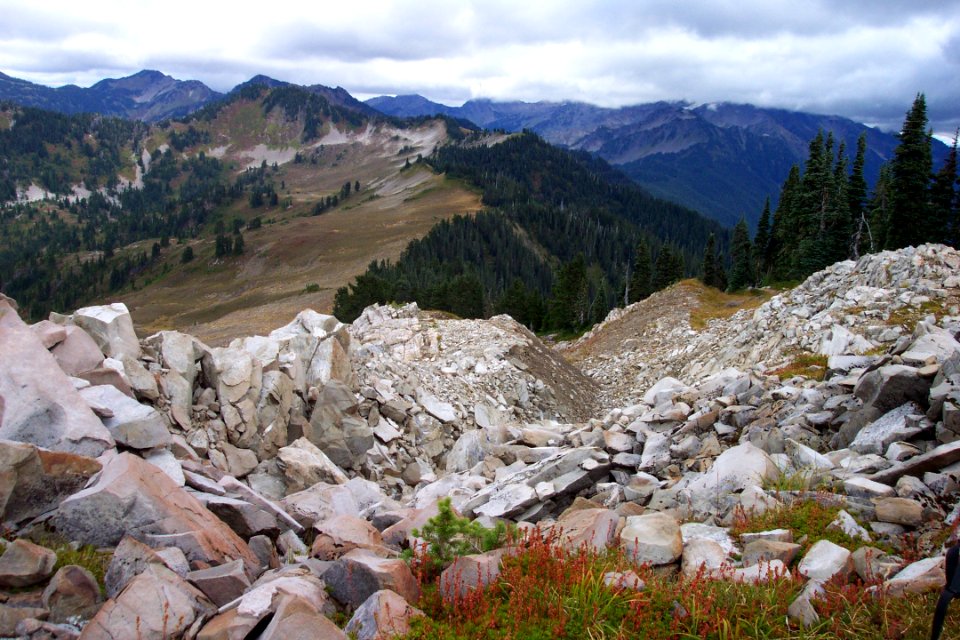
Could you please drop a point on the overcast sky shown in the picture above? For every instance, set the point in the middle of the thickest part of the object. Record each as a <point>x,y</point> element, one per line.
<point>864,59</point>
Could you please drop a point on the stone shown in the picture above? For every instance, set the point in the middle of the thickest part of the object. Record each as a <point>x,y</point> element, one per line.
<point>172,606</point>
<point>652,538</point>
<point>468,451</point>
<point>872,564</point>
<point>266,552</point>
<point>39,403</point>
<point>73,593</point>
<point>470,572</point>
<point>24,564</point>
<point>510,500</point>
<point>164,460</point>
<point>131,496</point>
<point>299,619</point>
<point>845,523</point>
<point>358,574</point>
<point>304,465</point>
<point>242,517</point>
<point>702,556</point>
<point>343,533</point>
<point>384,615</point>
<point>77,353</point>
<point>34,481</point>
<point>760,573</point>
<point>779,535</point>
<point>12,618</point>
<point>903,511</point>
<point>111,327</point>
<point>178,352</point>
<point>131,424</point>
<point>696,530</point>
<point>331,361</point>
<point>442,411</point>
<point>860,487</point>
<point>919,577</point>
<point>889,428</point>
<point>240,462</point>
<point>624,581</point>
<point>335,426</point>
<point>934,460</point>
<point>51,334</point>
<point>221,584</point>
<point>143,383</point>
<point>759,551</point>
<point>734,470</point>
<point>663,391</point>
<point>590,529</point>
<point>129,559</point>
<point>824,560</point>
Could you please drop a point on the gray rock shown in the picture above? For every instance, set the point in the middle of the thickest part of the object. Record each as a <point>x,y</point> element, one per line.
<point>72,594</point>
<point>24,564</point>
<point>358,575</point>
<point>824,560</point>
<point>889,428</point>
<point>132,424</point>
<point>38,403</point>
<point>77,353</point>
<point>111,327</point>
<point>222,584</point>
<point>654,538</point>
<point>385,614</point>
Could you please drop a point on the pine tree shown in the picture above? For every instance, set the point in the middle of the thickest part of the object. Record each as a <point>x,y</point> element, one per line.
<point>881,206</point>
<point>786,227</point>
<point>910,219</point>
<point>862,240</point>
<point>668,269</point>
<point>741,273</point>
<point>761,241</point>
<point>943,198</point>
<point>641,277</point>
<point>712,270</point>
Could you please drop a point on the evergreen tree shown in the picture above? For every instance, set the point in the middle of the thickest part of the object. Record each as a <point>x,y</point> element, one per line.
<point>668,269</point>
<point>570,304</point>
<point>237,244</point>
<point>640,278</point>
<point>786,227</point>
<point>943,197</point>
<point>712,269</point>
<point>881,206</point>
<point>741,273</point>
<point>761,241</point>
<point>862,240</point>
<point>910,219</point>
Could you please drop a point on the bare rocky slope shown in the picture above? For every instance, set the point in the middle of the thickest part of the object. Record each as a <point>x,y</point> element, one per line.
<point>271,483</point>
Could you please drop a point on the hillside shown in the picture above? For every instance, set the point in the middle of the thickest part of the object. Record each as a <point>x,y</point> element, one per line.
<point>825,490</point>
<point>720,159</point>
<point>268,167</point>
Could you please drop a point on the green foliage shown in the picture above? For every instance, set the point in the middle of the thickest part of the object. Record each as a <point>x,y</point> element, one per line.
<point>187,255</point>
<point>641,279</point>
<point>911,222</point>
<point>712,273</point>
<point>313,287</point>
<point>742,273</point>
<point>448,536</point>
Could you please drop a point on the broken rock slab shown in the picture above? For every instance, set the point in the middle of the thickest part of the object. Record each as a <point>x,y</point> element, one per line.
<point>131,496</point>
<point>38,403</point>
<point>131,424</point>
<point>111,327</point>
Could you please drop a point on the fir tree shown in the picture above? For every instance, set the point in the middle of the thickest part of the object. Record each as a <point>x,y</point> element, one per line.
<point>786,227</point>
<point>641,277</point>
<point>712,270</point>
<point>910,219</point>
<point>862,239</point>
<point>943,197</point>
<point>761,241</point>
<point>668,269</point>
<point>741,273</point>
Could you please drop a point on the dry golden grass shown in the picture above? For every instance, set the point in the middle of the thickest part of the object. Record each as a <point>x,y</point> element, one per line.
<point>715,304</point>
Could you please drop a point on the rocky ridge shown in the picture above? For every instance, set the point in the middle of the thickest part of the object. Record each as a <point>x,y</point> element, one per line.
<point>272,482</point>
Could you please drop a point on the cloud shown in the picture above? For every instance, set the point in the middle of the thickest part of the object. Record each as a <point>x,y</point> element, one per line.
<point>865,59</point>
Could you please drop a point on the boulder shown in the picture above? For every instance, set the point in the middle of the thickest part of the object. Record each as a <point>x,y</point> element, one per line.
<point>77,353</point>
<point>157,604</point>
<point>24,564</point>
<point>919,577</point>
<point>824,560</point>
<point>34,481</point>
<point>178,352</point>
<point>73,593</point>
<point>343,533</point>
<point>590,529</point>
<point>889,428</point>
<point>384,615</point>
<point>296,618</point>
<point>663,391</point>
<point>759,551</point>
<point>304,465</point>
<point>902,511</point>
<point>51,334</point>
<point>12,618</point>
<point>336,428</point>
<point>131,424</point>
<point>111,327</point>
<point>129,559</point>
<point>133,497</point>
<point>358,574</point>
<point>221,584</point>
<point>470,572</point>
<point>653,538</point>
<point>39,403</point>
<point>702,555</point>
<point>734,470</point>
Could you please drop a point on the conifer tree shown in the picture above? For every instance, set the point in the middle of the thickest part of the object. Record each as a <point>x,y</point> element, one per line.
<point>944,199</point>
<point>668,269</point>
<point>640,278</point>
<point>712,270</point>
<point>862,240</point>
<point>786,227</point>
<point>741,273</point>
<point>912,166</point>
<point>881,206</point>
<point>761,241</point>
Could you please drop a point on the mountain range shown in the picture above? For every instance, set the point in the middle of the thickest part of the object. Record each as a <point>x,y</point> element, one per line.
<point>721,159</point>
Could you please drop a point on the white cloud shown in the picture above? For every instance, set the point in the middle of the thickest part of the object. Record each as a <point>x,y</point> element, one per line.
<point>861,58</point>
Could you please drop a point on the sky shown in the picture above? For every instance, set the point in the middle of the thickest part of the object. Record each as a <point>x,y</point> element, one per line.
<point>863,59</point>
